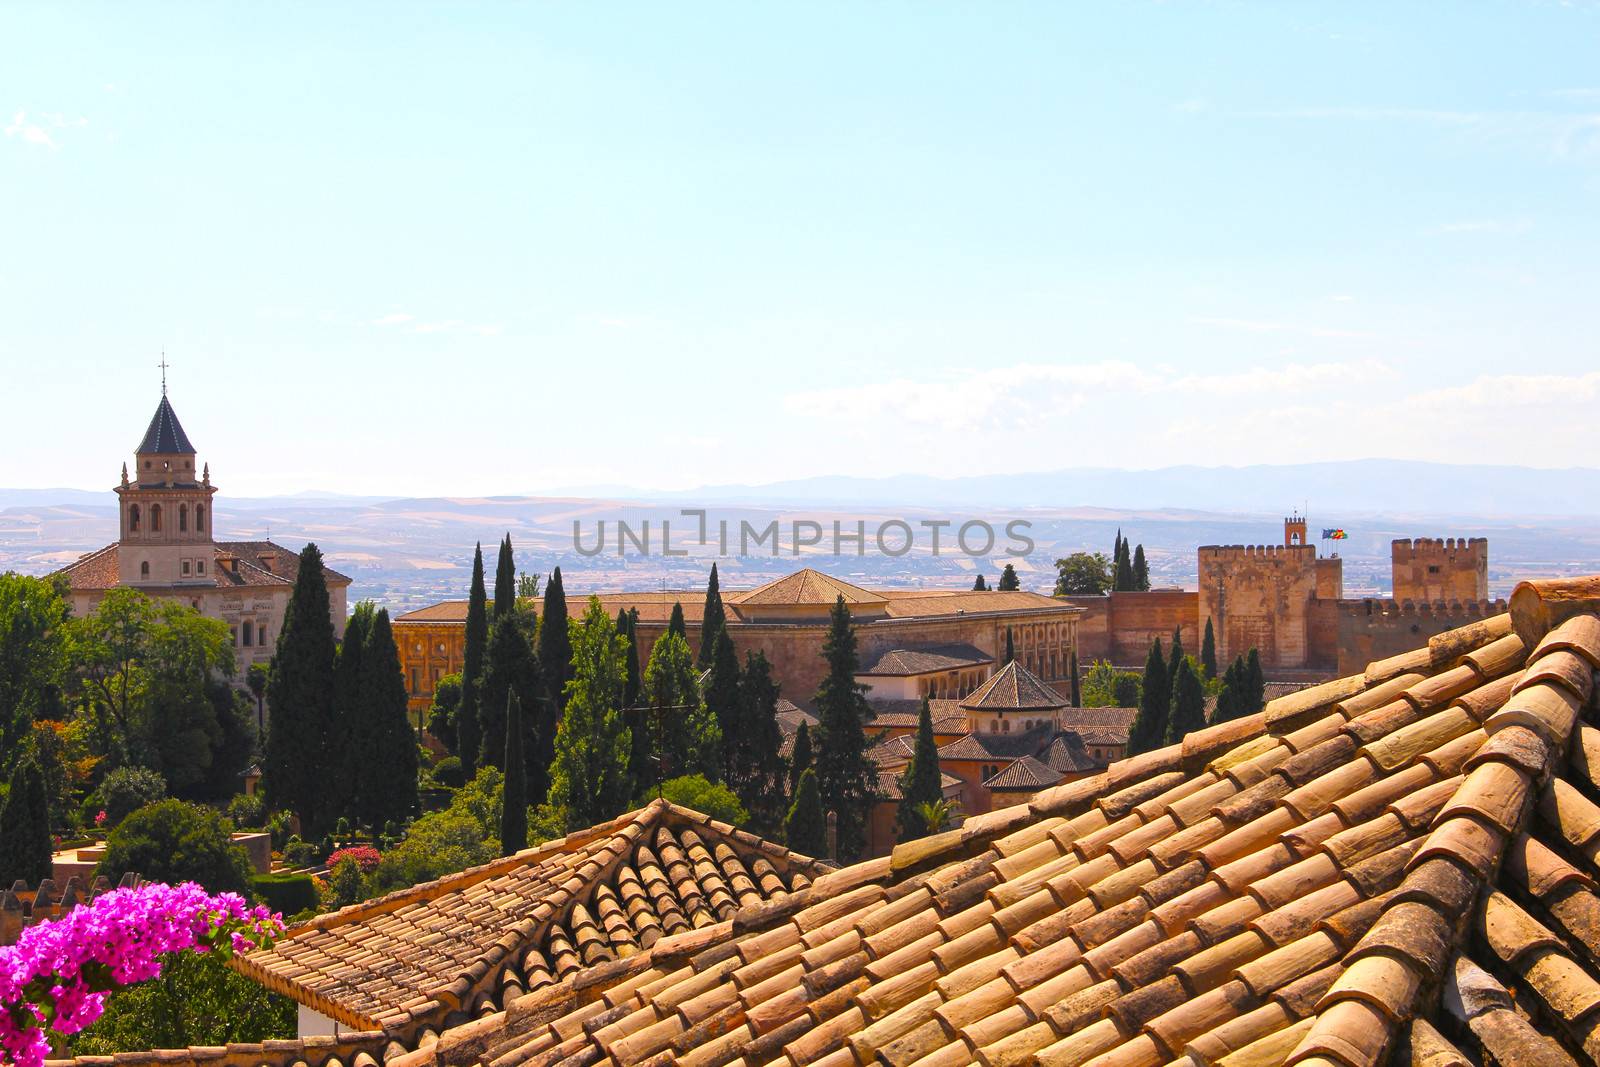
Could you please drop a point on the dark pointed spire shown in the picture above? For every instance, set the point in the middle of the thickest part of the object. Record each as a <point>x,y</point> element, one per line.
<point>165,435</point>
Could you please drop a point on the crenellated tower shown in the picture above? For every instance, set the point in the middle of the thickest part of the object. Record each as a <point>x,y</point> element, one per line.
<point>165,509</point>
<point>1430,569</point>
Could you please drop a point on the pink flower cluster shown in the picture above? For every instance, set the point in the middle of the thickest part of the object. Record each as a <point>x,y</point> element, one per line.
<point>58,973</point>
<point>367,858</point>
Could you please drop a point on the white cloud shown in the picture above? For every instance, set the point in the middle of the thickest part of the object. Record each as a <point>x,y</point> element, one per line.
<point>29,132</point>
<point>1500,391</point>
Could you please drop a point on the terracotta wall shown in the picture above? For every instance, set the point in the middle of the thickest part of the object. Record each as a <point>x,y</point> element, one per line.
<point>1120,626</point>
<point>1432,568</point>
<point>1258,596</point>
<point>1376,629</point>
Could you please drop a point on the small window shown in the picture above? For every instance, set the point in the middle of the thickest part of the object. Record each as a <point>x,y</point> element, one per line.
<point>416,680</point>
<point>200,518</point>
<point>155,518</point>
<point>133,518</point>
<point>441,648</point>
<point>249,633</point>
<point>1005,727</point>
<point>183,518</point>
<point>201,566</point>
<point>144,569</point>
<point>261,636</point>
<point>185,566</point>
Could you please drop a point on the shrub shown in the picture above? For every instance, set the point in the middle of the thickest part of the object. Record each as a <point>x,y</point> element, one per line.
<point>438,844</point>
<point>448,771</point>
<point>286,893</point>
<point>248,810</point>
<point>708,798</point>
<point>127,789</point>
<point>298,853</point>
<point>344,881</point>
<point>365,857</point>
<point>175,841</point>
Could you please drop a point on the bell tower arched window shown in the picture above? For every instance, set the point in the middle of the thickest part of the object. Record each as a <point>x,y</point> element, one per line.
<point>199,518</point>
<point>133,518</point>
<point>144,569</point>
<point>183,518</point>
<point>155,518</point>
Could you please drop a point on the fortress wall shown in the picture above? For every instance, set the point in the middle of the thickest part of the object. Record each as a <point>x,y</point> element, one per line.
<point>1120,626</point>
<point>1432,569</point>
<point>1376,629</point>
<point>1259,596</point>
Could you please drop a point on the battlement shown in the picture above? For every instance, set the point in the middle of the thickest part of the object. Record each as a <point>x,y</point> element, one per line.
<point>1427,546</point>
<point>1226,552</point>
<point>21,907</point>
<point>1437,609</point>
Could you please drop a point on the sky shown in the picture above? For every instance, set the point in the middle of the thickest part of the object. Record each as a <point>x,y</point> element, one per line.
<point>463,249</point>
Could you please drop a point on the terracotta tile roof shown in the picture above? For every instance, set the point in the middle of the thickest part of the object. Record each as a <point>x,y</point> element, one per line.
<point>444,611</point>
<point>926,660</point>
<point>1014,688</point>
<point>1082,720</point>
<point>452,949</point>
<point>1067,755</point>
<point>1400,862</point>
<point>1027,775</point>
<point>260,564</point>
<point>947,716</point>
<point>805,586</point>
<point>96,570</point>
<point>889,783</point>
<point>975,603</point>
<point>165,434</point>
<point>988,746</point>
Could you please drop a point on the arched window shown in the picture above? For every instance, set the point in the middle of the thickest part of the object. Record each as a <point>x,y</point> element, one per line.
<point>133,518</point>
<point>155,518</point>
<point>144,569</point>
<point>249,633</point>
<point>183,518</point>
<point>200,518</point>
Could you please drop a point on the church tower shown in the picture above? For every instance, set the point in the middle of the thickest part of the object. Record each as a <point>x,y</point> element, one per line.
<point>165,509</point>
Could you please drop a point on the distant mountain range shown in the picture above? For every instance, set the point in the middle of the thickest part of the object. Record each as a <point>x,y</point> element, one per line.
<point>1365,486</point>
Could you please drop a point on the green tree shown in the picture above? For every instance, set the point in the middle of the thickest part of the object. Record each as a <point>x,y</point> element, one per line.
<point>979,585</point>
<point>528,587</point>
<point>510,665</point>
<point>805,828</point>
<point>1106,687</point>
<point>384,759</point>
<point>1077,693</point>
<point>1175,661</point>
<point>443,712</point>
<point>469,730</point>
<point>300,688</point>
<point>33,656</point>
<point>127,789</point>
<point>255,678</point>
<point>1141,570</point>
<point>197,1001</point>
<point>505,581</point>
<point>590,775</point>
<point>1155,700</point>
<point>712,621</point>
<point>675,624</point>
<point>641,736</point>
<point>1122,579</point>
<point>347,728</point>
<point>801,758</point>
<point>686,737</point>
<point>1255,683</point>
<point>1208,652</point>
<point>758,778</point>
<point>1188,703</point>
<point>1083,574</point>
<point>514,806</point>
<point>696,792</point>
<point>176,841</point>
<point>25,825</point>
<point>1011,649</point>
<point>922,782</point>
<point>555,664</point>
<point>846,777</point>
<point>635,683</point>
<point>721,695</point>
<point>1227,706</point>
<point>1009,582</point>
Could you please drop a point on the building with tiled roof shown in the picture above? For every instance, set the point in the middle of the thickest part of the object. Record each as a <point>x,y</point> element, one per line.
<point>941,644</point>
<point>165,548</point>
<point>1396,866</point>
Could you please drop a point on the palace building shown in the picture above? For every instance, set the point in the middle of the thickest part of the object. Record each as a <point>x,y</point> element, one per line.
<point>165,549</point>
<point>912,643</point>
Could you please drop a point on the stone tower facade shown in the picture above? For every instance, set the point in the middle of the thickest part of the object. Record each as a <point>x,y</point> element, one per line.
<point>165,510</point>
<point>1432,569</point>
<point>1277,599</point>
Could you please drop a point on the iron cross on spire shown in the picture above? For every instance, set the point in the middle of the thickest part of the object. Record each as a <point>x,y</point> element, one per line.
<point>163,366</point>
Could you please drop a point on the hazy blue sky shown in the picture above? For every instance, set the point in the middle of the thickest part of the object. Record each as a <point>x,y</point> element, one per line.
<point>505,248</point>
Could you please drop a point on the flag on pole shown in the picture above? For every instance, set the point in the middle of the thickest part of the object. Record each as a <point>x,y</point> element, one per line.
<point>1334,535</point>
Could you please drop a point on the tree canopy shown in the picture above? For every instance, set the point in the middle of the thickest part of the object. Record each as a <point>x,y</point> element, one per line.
<point>846,778</point>
<point>589,778</point>
<point>1083,574</point>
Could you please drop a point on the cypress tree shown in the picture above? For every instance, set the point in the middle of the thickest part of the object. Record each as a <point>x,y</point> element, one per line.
<point>514,798</point>
<point>1255,684</point>
<point>1227,707</point>
<point>510,665</point>
<point>922,782</point>
<point>1123,579</point>
<point>505,581</point>
<point>1155,700</point>
<point>300,688</point>
<point>555,667</point>
<point>589,777</point>
<point>712,620</point>
<point>675,624</point>
<point>384,764</point>
<point>1188,704</point>
<point>980,586</point>
<point>1077,694</point>
<point>1141,570</point>
<point>759,777</point>
<point>722,698</point>
<point>25,826</point>
<point>630,694</point>
<point>801,758</point>
<point>345,732</point>
<point>805,830</point>
<point>1011,651</point>
<point>1208,652</point>
<point>687,733</point>
<point>468,733</point>
<point>1175,662</point>
<point>1009,582</point>
<point>847,779</point>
